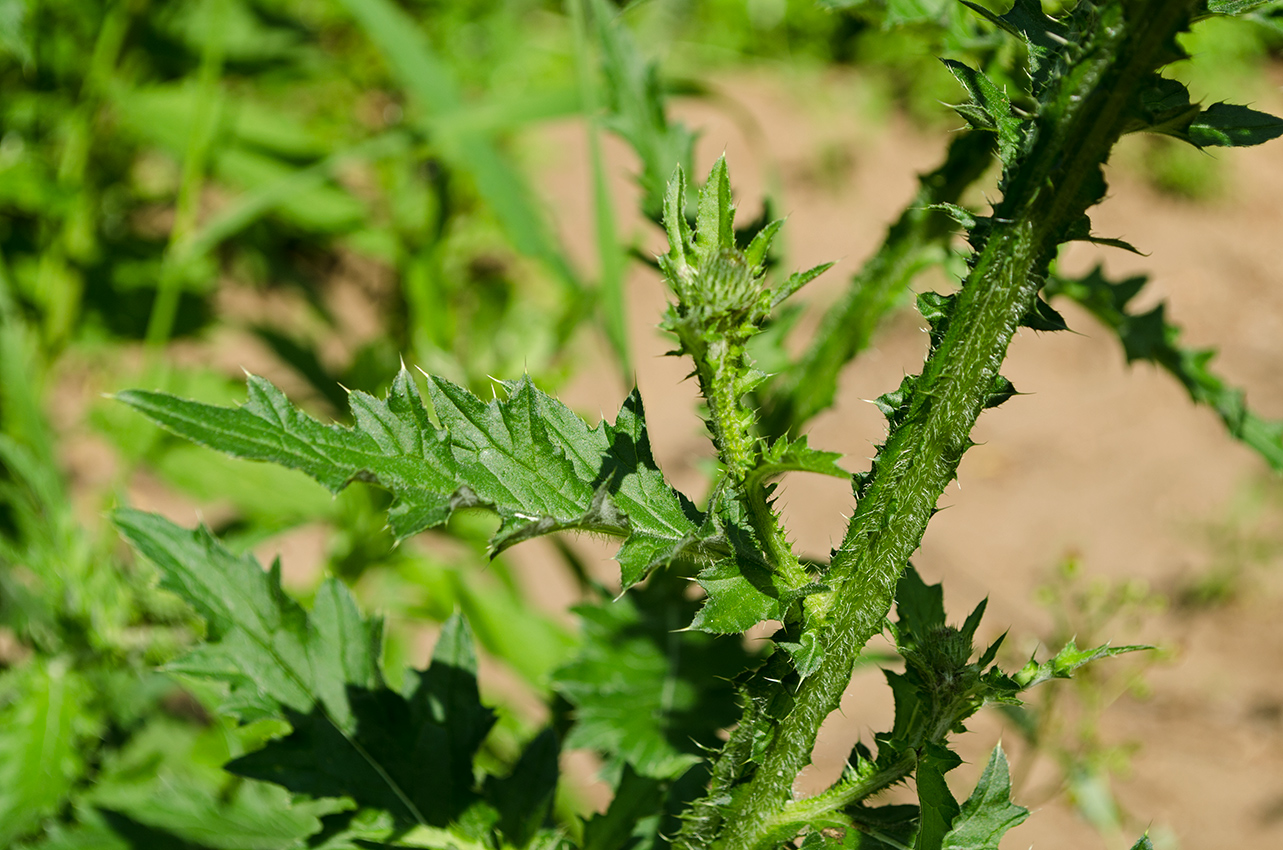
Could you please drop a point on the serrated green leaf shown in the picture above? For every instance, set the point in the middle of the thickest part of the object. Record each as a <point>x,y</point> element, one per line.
<point>532,460</point>
<point>919,606</point>
<point>807,652</point>
<point>895,404</point>
<point>1146,334</point>
<point>743,589</point>
<point>1164,106</point>
<point>133,834</point>
<point>1065,662</point>
<point>786,455</point>
<point>741,594</point>
<point>168,779</point>
<point>758,249</point>
<point>961,215</point>
<point>820,841</point>
<point>1081,231</point>
<point>988,813</point>
<point>645,692</point>
<point>393,443</point>
<point>1043,317</point>
<point>680,240</point>
<point>1002,390</point>
<point>249,816</point>
<point>996,105</point>
<point>507,456</point>
<point>910,713</point>
<point>424,838</point>
<point>1143,843</point>
<point>715,216</point>
<point>617,461</point>
<point>1149,336</point>
<point>410,755</point>
<point>796,281</point>
<point>1044,36</point>
<point>975,116</point>
<point>261,644</point>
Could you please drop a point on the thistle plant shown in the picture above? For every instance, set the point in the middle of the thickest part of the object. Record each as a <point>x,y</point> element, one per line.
<point>657,676</point>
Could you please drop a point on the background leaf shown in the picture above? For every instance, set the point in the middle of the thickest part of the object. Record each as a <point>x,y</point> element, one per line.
<point>645,692</point>
<point>410,755</point>
<point>261,644</point>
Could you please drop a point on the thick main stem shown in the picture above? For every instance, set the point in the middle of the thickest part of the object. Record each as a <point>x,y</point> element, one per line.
<point>1046,192</point>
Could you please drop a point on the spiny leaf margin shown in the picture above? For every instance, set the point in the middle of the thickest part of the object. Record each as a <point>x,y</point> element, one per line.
<point>527,457</point>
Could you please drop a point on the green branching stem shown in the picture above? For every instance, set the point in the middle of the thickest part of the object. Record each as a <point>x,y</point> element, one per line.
<point>721,365</point>
<point>1046,190</point>
<point>816,810</point>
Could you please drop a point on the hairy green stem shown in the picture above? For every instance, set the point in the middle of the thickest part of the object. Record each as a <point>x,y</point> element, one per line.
<point>815,809</point>
<point>719,364</point>
<point>770,531</point>
<point>1046,191</point>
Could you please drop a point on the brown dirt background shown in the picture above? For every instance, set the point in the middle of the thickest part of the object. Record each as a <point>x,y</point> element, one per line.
<point>1111,465</point>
